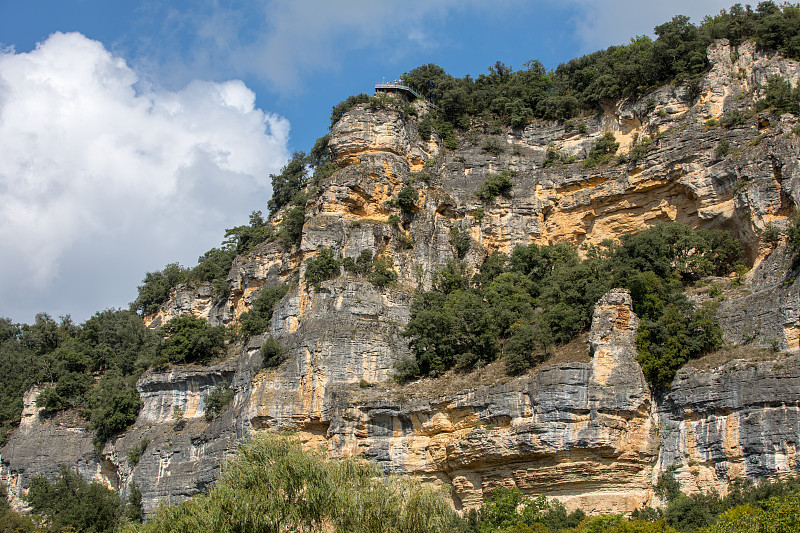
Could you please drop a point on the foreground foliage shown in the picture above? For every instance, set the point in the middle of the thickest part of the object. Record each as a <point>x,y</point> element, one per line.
<point>69,503</point>
<point>771,506</point>
<point>272,485</point>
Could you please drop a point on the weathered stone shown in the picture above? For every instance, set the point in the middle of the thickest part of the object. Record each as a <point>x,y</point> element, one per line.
<point>590,434</point>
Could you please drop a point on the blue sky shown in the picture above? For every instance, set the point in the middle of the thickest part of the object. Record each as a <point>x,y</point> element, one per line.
<point>133,133</point>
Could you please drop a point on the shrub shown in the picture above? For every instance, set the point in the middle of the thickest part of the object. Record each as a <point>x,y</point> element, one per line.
<point>177,416</point>
<point>733,118</point>
<point>346,105</point>
<point>772,235</point>
<point>382,273</point>
<point>793,233</point>
<point>238,240</point>
<point>155,288</point>
<point>134,511</point>
<point>71,504</point>
<point>272,484</point>
<point>135,453</point>
<point>602,151</point>
<point>460,241</point>
<point>493,147</point>
<point>257,319</point>
<point>288,183</point>
<point>407,198</point>
<point>217,400</point>
<point>496,184</point>
<point>553,156</point>
<point>393,220</point>
<point>361,266</point>
<point>406,242</point>
<point>273,353</point>
<point>321,267</point>
<point>292,226</point>
<point>189,339</point>
<point>723,147</point>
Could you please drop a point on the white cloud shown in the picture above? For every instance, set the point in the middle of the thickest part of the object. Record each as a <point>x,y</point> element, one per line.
<point>99,182</point>
<point>611,22</point>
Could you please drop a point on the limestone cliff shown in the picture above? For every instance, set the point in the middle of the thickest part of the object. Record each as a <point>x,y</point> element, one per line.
<point>588,431</point>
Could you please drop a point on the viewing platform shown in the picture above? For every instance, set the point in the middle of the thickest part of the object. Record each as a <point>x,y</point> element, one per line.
<point>398,87</point>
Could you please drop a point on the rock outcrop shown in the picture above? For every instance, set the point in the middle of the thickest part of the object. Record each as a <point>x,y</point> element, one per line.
<point>588,431</point>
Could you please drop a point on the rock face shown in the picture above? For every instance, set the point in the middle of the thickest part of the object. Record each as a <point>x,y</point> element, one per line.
<point>589,433</point>
<point>543,433</point>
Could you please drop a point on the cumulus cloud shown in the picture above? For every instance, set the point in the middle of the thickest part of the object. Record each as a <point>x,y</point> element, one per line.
<point>281,41</point>
<point>602,24</point>
<point>102,178</point>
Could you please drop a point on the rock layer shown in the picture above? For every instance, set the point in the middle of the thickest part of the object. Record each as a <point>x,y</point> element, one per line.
<point>589,433</point>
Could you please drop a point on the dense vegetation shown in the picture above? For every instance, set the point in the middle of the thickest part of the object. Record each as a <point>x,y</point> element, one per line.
<point>518,306</point>
<point>273,485</point>
<point>113,344</point>
<point>769,507</point>
<point>677,54</point>
<point>69,503</point>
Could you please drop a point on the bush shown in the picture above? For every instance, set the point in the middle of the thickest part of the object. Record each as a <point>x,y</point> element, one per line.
<point>382,273</point>
<point>257,319</point>
<point>114,405</point>
<point>496,185</point>
<point>541,296</point>
<point>321,267</point>
<point>135,453</point>
<point>292,226</point>
<point>155,288</point>
<point>133,508</point>
<point>733,118</point>
<point>793,233</point>
<point>772,235</point>
<point>460,241</point>
<point>271,484</point>
<point>273,353</point>
<point>189,339</point>
<point>779,95</point>
<point>602,151</point>
<point>361,266</point>
<point>346,105</point>
<point>69,503</point>
<point>723,147</point>
<point>407,198</point>
<point>217,400</point>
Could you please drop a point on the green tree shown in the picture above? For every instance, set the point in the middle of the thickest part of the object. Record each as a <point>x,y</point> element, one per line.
<point>272,485</point>
<point>287,184</point>
<point>496,185</point>
<point>291,231</point>
<point>155,288</point>
<point>70,502</point>
<point>407,199</point>
<point>256,320</point>
<point>346,105</point>
<point>273,353</point>
<point>133,507</point>
<point>216,400</point>
<point>188,339</point>
<point>323,266</point>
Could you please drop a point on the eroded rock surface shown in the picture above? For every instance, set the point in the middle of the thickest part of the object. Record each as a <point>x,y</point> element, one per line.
<point>589,433</point>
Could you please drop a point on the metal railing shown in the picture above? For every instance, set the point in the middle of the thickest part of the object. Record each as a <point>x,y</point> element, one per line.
<point>399,86</point>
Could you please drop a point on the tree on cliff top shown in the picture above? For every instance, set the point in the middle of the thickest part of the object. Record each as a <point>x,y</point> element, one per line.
<point>288,183</point>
